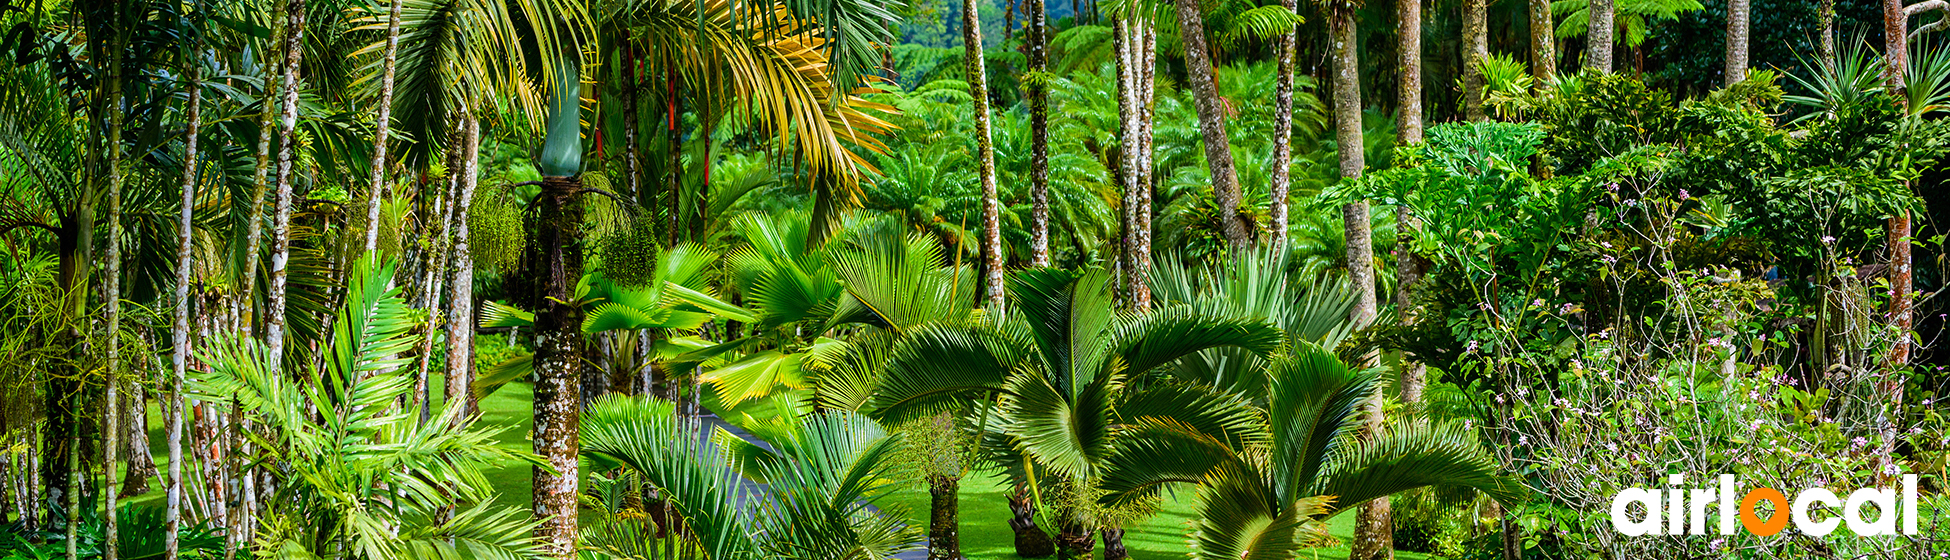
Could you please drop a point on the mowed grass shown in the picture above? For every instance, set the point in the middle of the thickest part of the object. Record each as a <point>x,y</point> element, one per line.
<point>984,496</point>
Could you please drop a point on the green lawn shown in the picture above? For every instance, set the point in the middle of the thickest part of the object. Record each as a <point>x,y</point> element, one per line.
<point>984,500</point>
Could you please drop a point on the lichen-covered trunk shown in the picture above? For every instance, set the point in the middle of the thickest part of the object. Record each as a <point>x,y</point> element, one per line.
<point>1408,272</point>
<point>1543,41</point>
<point>1038,134</point>
<point>558,362</point>
<point>112,296</point>
<point>1373,537</point>
<point>383,125</point>
<point>246,304</point>
<point>1114,544</point>
<point>274,305</point>
<point>1211,122</point>
<point>1738,19</point>
<point>992,256</point>
<point>460,299</point>
<point>1031,541</point>
<point>944,518</point>
<point>1144,82</point>
<point>179,355</point>
<point>1895,48</point>
<point>1282,167</point>
<point>1476,50</point>
<point>1598,36</point>
<point>1124,37</point>
<point>1408,17</point>
<point>1826,27</point>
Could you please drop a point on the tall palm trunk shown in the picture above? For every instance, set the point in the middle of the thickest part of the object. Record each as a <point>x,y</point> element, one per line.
<point>1543,41</point>
<point>112,295</point>
<point>460,300</point>
<point>1738,19</point>
<point>1123,37</point>
<point>1144,81</point>
<point>294,53</point>
<point>1598,36</point>
<point>1896,64</point>
<point>1283,130</point>
<point>384,126</point>
<point>179,356</point>
<point>1476,50</point>
<point>1211,122</point>
<point>992,257</point>
<point>555,256</point>
<point>260,186</point>
<point>1408,16</point>
<point>1373,532</point>
<point>1038,134</point>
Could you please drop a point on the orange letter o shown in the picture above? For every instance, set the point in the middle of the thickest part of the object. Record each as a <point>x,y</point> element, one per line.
<point>1751,520</point>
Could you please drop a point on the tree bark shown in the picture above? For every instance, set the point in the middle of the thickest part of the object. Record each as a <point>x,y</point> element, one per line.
<point>1031,541</point>
<point>1476,50</point>
<point>992,256</point>
<point>1543,42</point>
<point>1074,540</point>
<point>460,301</point>
<point>383,124</point>
<point>260,186</point>
<point>1282,167</point>
<point>1038,134</point>
<point>1114,544</point>
<point>1145,82</point>
<point>112,296</point>
<point>1211,122</point>
<point>944,521</point>
<point>1826,27</point>
<point>1738,19</point>
<point>1598,37</point>
<point>1123,35</point>
<point>558,362</point>
<point>294,53</point>
<point>1373,535</point>
<point>1408,15</point>
<point>1895,51</point>
<point>179,356</point>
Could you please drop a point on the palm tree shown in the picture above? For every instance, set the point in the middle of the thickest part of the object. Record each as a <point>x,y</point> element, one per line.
<point>1211,121</point>
<point>554,255</point>
<point>1039,134</point>
<point>1738,18</point>
<point>180,330</point>
<point>1056,366</point>
<point>383,124</point>
<point>824,479</point>
<point>366,478</point>
<point>1283,113</point>
<point>1269,479</point>
<point>978,91</point>
<point>112,283</point>
<point>1408,125</point>
<point>294,52</point>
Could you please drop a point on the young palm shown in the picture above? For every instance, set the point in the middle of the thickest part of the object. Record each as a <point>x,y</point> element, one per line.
<point>1269,480</point>
<point>1059,366</point>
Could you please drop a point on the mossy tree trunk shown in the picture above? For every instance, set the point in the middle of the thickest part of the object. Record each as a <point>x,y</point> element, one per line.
<point>944,519</point>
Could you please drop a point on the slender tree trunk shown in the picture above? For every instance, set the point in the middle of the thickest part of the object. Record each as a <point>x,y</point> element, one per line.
<point>1144,81</point>
<point>558,365</point>
<point>294,53</point>
<point>260,186</point>
<point>1738,19</point>
<point>383,126</point>
<point>1038,134</point>
<point>1373,533</point>
<point>1476,50</point>
<point>460,301</point>
<point>1211,122</point>
<point>1543,42</point>
<point>1896,57</point>
<point>1283,129</point>
<point>992,257</point>
<point>1031,541</point>
<point>1598,37</point>
<point>1123,35</point>
<point>1408,15</point>
<point>1826,27</point>
<point>179,355</point>
<point>944,523</point>
<point>112,295</point>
